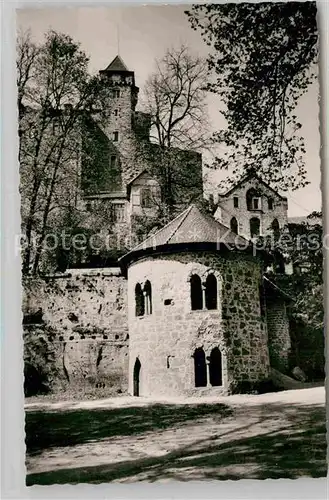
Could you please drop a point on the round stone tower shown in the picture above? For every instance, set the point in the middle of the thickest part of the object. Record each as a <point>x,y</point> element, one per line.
<point>194,310</point>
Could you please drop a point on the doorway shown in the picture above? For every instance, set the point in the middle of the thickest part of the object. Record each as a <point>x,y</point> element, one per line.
<point>137,369</point>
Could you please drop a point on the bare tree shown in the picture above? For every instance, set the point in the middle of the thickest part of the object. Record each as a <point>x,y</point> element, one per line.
<point>175,100</point>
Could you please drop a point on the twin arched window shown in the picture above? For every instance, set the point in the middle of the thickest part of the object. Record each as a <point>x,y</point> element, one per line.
<point>203,297</point>
<point>200,368</point>
<point>143,299</point>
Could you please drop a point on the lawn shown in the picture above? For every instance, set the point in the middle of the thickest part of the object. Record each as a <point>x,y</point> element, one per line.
<point>241,437</point>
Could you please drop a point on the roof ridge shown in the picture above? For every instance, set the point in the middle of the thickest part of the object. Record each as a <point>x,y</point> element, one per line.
<point>117,60</point>
<point>277,287</point>
<point>183,215</point>
<point>159,230</point>
<point>244,178</point>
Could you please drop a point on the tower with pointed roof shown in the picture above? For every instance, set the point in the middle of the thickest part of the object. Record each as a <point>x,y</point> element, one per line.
<point>119,161</point>
<point>121,79</point>
<point>111,161</point>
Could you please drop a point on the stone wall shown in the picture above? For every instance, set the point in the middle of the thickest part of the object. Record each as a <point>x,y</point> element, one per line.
<point>82,335</point>
<point>165,341</point>
<point>278,333</point>
<point>76,329</point>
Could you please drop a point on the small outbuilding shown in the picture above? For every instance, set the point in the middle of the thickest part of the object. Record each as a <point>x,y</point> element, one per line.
<point>201,319</point>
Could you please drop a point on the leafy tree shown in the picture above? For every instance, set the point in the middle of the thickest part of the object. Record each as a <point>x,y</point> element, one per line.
<point>55,92</point>
<point>263,59</point>
<point>302,247</point>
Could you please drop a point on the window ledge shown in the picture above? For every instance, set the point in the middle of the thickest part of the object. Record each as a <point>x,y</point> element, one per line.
<point>203,310</point>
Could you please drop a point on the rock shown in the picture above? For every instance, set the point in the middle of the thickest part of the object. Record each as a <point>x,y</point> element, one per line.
<point>298,374</point>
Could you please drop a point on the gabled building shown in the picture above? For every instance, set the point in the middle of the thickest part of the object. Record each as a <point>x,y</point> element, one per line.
<point>252,207</point>
<point>202,318</point>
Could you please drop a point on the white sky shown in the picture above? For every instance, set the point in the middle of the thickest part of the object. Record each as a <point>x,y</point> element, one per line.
<point>142,34</point>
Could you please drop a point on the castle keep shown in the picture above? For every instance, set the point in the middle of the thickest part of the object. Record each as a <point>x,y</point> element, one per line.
<point>120,165</point>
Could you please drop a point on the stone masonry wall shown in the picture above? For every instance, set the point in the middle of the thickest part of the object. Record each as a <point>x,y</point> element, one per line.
<point>76,326</point>
<point>165,341</point>
<point>278,333</point>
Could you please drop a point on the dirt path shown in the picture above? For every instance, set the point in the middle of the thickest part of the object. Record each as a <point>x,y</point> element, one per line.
<point>133,439</point>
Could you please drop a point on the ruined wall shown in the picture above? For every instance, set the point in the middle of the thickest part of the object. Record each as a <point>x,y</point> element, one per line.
<point>278,333</point>
<point>165,340</point>
<point>76,330</point>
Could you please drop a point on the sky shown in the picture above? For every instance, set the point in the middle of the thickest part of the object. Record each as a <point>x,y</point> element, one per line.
<point>141,35</point>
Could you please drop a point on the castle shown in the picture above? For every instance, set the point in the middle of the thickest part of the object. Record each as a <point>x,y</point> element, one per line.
<point>120,165</point>
<point>188,311</point>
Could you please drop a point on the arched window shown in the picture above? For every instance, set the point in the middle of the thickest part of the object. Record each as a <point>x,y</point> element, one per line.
<point>215,367</point>
<point>276,228</point>
<point>196,292</point>
<point>211,292</point>
<point>200,368</point>
<point>234,225</point>
<point>254,227</point>
<point>139,300</point>
<point>148,297</point>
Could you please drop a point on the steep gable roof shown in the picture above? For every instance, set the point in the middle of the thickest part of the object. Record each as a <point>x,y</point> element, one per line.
<point>117,65</point>
<point>190,227</point>
<point>247,177</point>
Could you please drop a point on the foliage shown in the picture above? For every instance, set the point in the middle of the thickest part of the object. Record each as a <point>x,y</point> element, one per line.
<point>55,92</point>
<point>262,57</point>
<point>301,246</point>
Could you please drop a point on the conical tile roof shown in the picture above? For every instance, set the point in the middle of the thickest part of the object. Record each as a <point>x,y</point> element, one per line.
<point>191,226</point>
<point>117,65</point>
